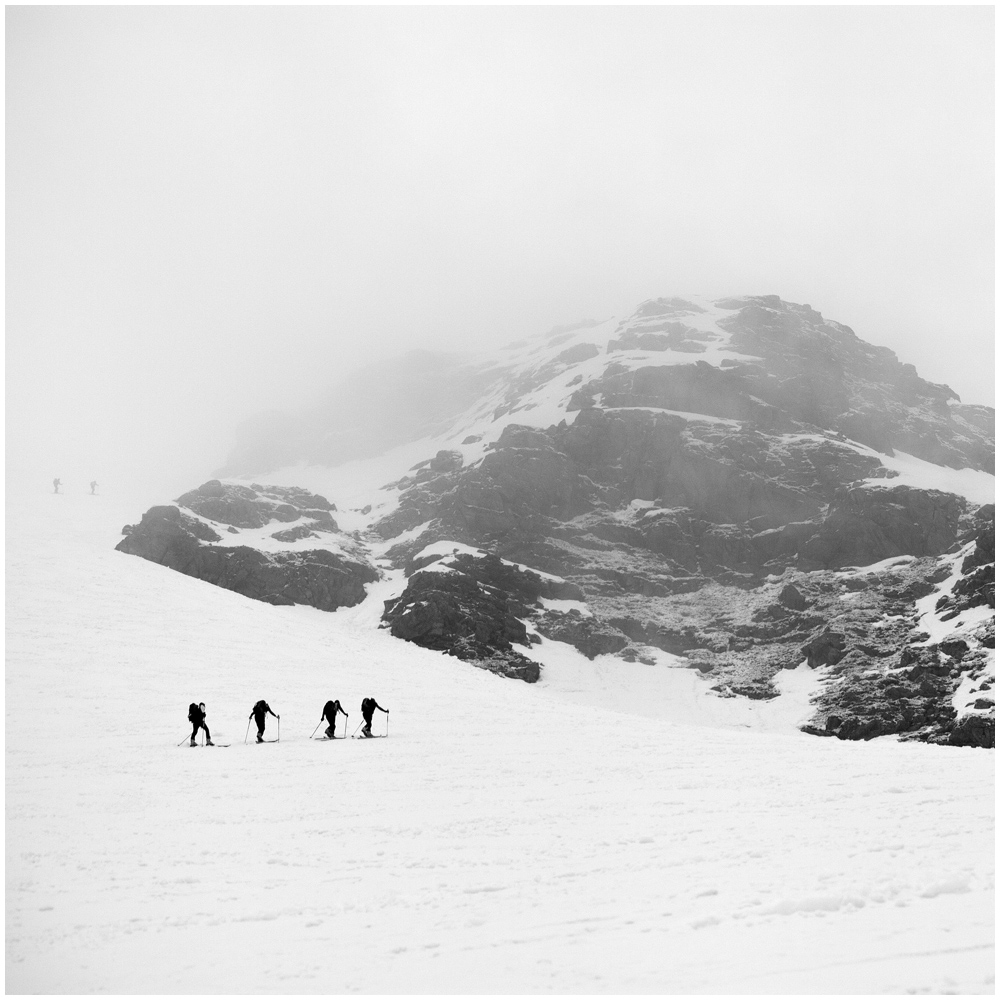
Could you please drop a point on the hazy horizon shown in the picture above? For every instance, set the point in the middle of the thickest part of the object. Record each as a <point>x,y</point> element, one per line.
<point>217,211</point>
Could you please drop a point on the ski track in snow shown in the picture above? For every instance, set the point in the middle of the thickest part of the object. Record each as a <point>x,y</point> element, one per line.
<point>504,839</point>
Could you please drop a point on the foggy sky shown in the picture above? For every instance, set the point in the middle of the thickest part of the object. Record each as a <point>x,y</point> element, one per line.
<point>213,211</point>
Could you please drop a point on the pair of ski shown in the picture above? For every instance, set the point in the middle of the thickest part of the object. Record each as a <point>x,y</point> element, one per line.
<point>330,739</point>
<point>225,744</point>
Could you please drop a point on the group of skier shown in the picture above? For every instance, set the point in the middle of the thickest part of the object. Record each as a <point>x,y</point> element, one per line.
<point>260,712</point>
<point>56,483</point>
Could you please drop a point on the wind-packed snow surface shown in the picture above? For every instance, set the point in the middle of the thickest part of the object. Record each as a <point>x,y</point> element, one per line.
<point>505,838</point>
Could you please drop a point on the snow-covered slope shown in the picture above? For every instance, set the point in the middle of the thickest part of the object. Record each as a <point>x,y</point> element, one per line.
<point>502,839</point>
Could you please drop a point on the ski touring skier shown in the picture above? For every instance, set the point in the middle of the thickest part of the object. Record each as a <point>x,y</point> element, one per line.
<point>56,483</point>
<point>330,710</point>
<point>259,714</point>
<point>93,487</point>
<point>196,716</point>
<point>368,707</point>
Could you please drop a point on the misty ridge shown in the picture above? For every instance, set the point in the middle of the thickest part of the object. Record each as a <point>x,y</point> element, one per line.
<point>422,392</point>
<point>417,394</point>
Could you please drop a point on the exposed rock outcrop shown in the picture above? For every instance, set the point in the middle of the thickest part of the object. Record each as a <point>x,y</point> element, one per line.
<point>254,506</point>
<point>828,647</point>
<point>324,577</point>
<point>455,613</point>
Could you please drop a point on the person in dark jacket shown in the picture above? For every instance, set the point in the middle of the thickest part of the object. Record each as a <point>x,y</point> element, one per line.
<point>368,707</point>
<point>259,713</point>
<point>330,710</point>
<point>196,716</point>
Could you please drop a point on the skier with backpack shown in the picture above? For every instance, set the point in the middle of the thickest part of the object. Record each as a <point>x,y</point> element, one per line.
<point>196,716</point>
<point>330,710</point>
<point>368,707</point>
<point>259,714</point>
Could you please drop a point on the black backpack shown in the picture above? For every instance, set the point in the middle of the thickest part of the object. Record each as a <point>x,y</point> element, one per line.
<point>194,712</point>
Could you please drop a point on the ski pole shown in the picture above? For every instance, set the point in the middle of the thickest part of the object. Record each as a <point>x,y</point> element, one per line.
<point>248,731</point>
<point>386,723</point>
<point>183,741</point>
<point>313,733</point>
<point>279,729</point>
<point>355,733</point>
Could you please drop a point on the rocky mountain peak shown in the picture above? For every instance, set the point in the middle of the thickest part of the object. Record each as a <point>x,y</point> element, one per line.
<point>737,484</point>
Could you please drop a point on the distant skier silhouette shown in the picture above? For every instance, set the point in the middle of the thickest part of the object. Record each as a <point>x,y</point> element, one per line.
<point>196,716</point>
<point>330,710</point>
<point>368,707</point>
<point>259,714</point>
<point>93,487</point>
<point>56,483</point>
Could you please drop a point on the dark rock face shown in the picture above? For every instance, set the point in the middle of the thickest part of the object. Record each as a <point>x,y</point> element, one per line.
<point>819,372</point>
<point>318,577</point>
<point>974,731</point>
<point>955,648</point>
<point>675,337</point>
<point>705,500</point>
<point>978,583</point>
<point>453,612</point>
<point>580,352</point>
<point>485,597</point>
<point>828,647</point>
<point>524,585</point>
<point>791,597</point>
<point>667,307</point>
<point>890,680</point>
<point>868,525</point>
<point>443,461</point>
<point>294,534</point>
<point>589,635</point>
<point>165,528</point>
